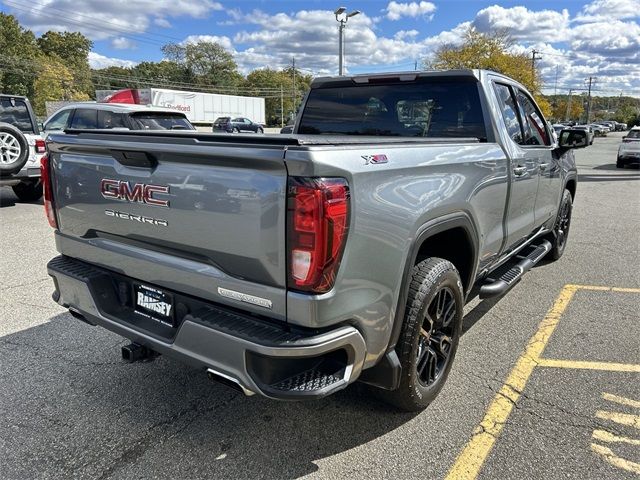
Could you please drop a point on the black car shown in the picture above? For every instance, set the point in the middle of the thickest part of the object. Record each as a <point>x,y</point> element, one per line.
<point>236,125</point>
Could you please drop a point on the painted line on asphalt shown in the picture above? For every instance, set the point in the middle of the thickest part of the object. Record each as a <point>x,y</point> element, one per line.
<point>469,462</point>
<point>471,459</point>
<point>608,437</point>
<point>626,419</point>
<point>580,365</point>
<point>615,460</point>
<point>621,400</point>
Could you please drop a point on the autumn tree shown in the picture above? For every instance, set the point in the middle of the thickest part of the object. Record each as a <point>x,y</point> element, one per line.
<point>574,112</point>
<point>490,51</point>
<point>54,82</point>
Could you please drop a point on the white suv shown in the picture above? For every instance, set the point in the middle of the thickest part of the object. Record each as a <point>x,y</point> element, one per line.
<point>21,148</point>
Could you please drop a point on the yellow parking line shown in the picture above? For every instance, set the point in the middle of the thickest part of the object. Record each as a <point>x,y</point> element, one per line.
<point>605,289</point>
<point>608,437</point>
<point>625,419</point>
<point>615,460</point>
<point>621,400</point>
<point>471,459</point>
<point>579,365</point>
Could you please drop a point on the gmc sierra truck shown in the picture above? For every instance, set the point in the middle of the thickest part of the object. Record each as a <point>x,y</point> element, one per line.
<point>293,265</point>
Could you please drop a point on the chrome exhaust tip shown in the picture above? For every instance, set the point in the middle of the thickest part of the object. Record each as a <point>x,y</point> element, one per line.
<point>228,381</point>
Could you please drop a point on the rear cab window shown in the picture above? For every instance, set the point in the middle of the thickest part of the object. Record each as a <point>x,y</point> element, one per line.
<point>15,111</point>
<point>108,120</point>
<point>427,107</point>
<point>85,119</point>
<point>160,121</point>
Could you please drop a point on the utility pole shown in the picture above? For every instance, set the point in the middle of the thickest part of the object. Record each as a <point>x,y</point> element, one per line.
<point>534,52</point>
<point>295,93</point>
<point>555,85</point>
<point>566,117</point>
<point>591,80</point>
<point>281,106</point>
<point>415,67</point>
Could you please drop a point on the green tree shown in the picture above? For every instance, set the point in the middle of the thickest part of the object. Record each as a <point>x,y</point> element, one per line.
<point>207,62</point>
<point>72,49</point>
<point>163,72</point>
<point>490,51</point>
<point>559,111</point>
<point>269,83</point>
<point>18,55</point>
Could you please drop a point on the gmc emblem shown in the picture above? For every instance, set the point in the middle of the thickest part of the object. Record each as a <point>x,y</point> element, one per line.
<point>139,193</point>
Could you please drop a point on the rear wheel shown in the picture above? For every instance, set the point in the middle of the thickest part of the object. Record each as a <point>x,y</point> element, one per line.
<point>619,163</point>
<point>561,228</point>
<point>28,191</point>
<point>235,130</point>
<point>260,130</point>
<point>430,334</point>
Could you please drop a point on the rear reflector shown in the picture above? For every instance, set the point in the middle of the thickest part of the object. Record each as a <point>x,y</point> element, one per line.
<point>318,221</point>
<point>40,146</point>
<point>45,177</point>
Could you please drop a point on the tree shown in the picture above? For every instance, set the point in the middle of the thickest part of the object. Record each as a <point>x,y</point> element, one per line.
<point>490,51</point>
<point>207,62</point>
<point>18,55</point>
<point>269,83</point>
<point>72,50</point>
<point>559,111</point>
<point>54,82</point>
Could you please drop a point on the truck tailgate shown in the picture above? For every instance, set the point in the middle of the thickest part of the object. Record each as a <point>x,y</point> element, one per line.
<point>185,212</point>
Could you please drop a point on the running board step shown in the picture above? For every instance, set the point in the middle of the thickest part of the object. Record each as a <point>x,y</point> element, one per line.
<point>512,273</point>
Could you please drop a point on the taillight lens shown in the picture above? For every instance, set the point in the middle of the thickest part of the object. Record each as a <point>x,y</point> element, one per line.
<point>45,177</point>
<point>40,146</point>
<point>318,221</point>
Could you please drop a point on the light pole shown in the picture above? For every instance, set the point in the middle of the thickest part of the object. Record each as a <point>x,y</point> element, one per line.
<point>342,18</point>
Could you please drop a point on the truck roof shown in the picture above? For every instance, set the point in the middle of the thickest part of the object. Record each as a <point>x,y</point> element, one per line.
<point>121,107</point>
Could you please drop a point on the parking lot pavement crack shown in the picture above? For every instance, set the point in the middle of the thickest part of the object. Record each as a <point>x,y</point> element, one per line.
<point>149,440</point>
<point>26,284</point>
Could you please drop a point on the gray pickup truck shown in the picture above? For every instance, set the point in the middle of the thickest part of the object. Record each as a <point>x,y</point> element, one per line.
<point>293,265</point>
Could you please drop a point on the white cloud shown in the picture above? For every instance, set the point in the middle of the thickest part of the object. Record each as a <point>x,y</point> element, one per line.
<point>162,22</point>
<point>100,61</point>
<point>122,43</point>
<point>604,10</point>
<point>98,20</point>
<point>397,10</point>
<point>223,41</point>
<point>402,34</point>
<point>524,24</point>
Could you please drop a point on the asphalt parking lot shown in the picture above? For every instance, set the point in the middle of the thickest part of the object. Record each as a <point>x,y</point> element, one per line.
<point>546,383</point>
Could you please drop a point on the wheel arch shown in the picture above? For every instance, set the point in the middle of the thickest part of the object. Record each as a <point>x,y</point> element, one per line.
<point>452,237</point>
<point>571,184</point>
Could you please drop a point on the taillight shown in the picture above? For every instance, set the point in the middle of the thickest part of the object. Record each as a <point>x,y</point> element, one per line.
<point>45,177</point>
<point>318,221</point>
<point>40,146</point>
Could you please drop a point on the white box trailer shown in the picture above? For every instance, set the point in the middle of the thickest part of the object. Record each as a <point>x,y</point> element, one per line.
<point>200,108</point>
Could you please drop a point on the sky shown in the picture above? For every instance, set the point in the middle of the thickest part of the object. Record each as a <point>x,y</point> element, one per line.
<point>576,39</point>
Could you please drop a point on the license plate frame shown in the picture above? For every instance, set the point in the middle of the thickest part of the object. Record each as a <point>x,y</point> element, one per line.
<point>154,303</point>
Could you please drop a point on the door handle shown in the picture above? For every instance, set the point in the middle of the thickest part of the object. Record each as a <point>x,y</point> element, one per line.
<point>519,171</point>
<point>543,166</point>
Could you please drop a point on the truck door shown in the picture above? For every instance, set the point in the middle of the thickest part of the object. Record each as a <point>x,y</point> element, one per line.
<point>538,139</point>
<point>524,167</point>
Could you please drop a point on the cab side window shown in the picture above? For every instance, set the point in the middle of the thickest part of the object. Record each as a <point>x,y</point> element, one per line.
<point>535,130</point>
<point>509,112</point>
<point>58,121</point>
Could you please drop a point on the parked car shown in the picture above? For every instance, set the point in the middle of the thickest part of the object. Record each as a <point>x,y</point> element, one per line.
<point>558,127</point>
<point>588,129</point>
<point>287,128</point>
<point>21,148</point>
<point>629,150</point>
<point>350,250</point>
<point>236,125</point>
<point>599,130</point>
<point>119,116</point>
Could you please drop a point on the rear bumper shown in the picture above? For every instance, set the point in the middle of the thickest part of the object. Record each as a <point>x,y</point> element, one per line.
<point>261,356</point>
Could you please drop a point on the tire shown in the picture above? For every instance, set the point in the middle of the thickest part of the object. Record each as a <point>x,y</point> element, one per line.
<point>28,191</point>
<point>560,234</point>
<point>235,130</point>
<point>430,334</point>
<point>260,130</point>
<point>619,163</point>
<point>14,149</point>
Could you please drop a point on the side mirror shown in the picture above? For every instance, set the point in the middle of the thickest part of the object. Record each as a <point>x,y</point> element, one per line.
<point>624,138</point>
<point>573,138</point>
<point>41,125</point>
